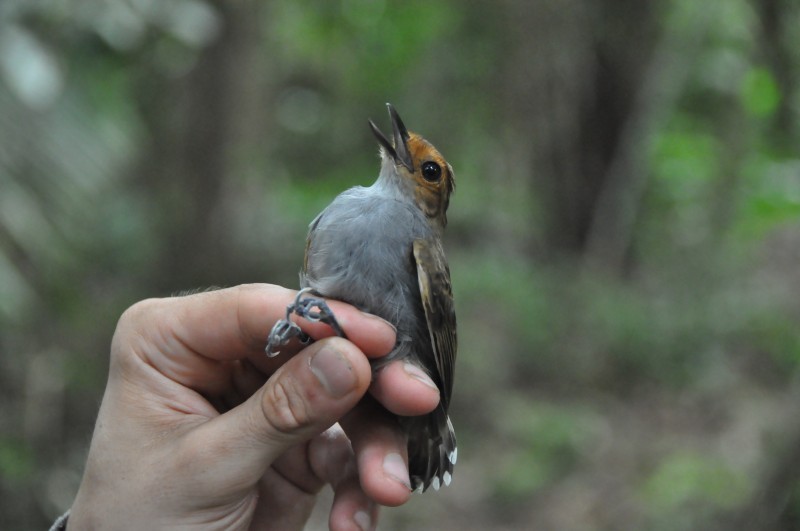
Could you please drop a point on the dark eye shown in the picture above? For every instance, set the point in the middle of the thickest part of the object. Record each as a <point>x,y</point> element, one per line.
<point>431,171</point>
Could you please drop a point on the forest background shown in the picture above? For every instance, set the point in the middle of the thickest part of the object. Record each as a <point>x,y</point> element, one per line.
<point>624,238</point>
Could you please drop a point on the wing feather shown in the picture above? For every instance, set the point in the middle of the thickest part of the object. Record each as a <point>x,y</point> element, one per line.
<point>436,292</point>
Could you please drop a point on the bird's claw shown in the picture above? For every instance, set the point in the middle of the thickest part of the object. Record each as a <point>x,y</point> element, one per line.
<point>311,309</point>
<point>283,331</point>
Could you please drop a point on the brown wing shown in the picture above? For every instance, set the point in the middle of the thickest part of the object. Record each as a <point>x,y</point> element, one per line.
<point>433,275</point>
<point>311,228</point>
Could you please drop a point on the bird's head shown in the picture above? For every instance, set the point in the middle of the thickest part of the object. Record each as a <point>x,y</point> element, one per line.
<point>416,168</point>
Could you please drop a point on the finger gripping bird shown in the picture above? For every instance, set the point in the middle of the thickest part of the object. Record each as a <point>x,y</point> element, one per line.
<point>379,248</point>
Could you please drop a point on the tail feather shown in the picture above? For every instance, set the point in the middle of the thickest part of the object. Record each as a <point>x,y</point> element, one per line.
<point>432,451</point>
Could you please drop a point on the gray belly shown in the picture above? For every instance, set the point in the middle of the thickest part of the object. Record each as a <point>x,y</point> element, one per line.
<point>362,253</point>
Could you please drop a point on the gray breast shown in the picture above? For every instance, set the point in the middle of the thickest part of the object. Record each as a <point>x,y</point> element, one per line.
<point>360,251</point>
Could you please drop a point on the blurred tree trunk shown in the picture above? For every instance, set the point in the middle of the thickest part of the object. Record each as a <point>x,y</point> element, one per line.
<point>577,68</point>
<point>194,123</point>
<point>775,40</point>
<point>772,504</point>
<point>598,78</point>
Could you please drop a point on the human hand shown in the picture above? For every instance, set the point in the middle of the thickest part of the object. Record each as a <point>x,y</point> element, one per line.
<point>199,428</point>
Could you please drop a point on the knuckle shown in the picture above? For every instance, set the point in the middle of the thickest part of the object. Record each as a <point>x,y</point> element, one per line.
<point>129,329</point>
<point>331,457</point>
<point>285,406</point>
<point>134,314</point>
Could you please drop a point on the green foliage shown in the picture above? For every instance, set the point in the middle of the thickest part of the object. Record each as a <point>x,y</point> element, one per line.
<point>543,442</point>
<point>760,92</point>
<point>685,157</point>
<point>151,147</point>
<point>773,193</point>
<point>692,482</point>
<point>363,44</point>
<point>17,462</point>
<point>777,334</point>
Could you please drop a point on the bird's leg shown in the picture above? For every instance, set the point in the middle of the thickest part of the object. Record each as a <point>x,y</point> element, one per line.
<point>317,310</point>
<point>309,308</point>
<point>284,330</point>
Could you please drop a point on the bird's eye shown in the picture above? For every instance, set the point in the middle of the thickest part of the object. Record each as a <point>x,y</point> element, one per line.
<point>431,171</point>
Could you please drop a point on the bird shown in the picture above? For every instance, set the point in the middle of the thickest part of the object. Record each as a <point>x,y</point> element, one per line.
<point>380,249</point>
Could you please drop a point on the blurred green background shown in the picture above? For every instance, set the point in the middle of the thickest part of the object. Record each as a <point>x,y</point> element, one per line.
<point>624,238</point>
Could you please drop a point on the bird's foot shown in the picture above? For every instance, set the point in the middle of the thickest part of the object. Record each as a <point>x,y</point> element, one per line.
<point>310,308</point>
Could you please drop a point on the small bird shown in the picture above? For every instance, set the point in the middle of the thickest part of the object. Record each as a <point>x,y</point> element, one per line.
<point>379,248</point>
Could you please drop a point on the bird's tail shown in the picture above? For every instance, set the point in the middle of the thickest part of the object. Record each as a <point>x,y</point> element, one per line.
<point>432,451</point>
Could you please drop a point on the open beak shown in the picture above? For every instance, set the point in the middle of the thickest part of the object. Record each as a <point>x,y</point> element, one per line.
<point>399,150</point>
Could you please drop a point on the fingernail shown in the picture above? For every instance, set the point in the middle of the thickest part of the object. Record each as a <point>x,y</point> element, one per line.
<point>418,374</point>
<point>363,520</point>
<point>381,319</point>
<point>333,371</point>
<point>395,467</point>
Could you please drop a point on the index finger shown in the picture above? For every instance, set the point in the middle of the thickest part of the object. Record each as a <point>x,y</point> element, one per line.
<point>233,323</point>
<point>191,338</point>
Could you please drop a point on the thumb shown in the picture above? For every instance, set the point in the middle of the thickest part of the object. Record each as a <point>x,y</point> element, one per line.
<point>307,395</point>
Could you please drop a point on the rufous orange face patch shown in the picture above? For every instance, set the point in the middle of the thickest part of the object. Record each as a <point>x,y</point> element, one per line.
<point>433,178</point>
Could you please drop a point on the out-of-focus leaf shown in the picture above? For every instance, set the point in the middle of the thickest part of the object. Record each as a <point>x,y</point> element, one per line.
<point>685,155</point>
<point>772,194</point>
<point>760,92</point>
